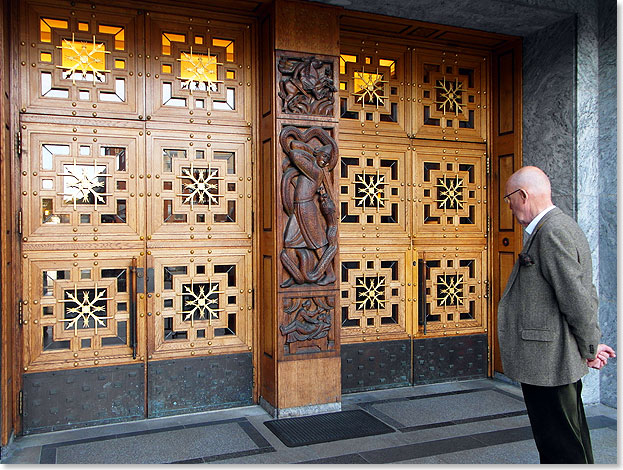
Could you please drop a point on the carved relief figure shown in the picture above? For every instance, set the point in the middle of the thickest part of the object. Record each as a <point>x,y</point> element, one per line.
<point>306,86</point>
<point>310,238</point>
<point>307,324</point>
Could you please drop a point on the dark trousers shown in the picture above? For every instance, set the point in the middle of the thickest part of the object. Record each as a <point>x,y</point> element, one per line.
<point>558,423</point>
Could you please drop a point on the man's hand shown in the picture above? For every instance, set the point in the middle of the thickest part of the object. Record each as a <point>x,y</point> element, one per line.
<point>601,358</point>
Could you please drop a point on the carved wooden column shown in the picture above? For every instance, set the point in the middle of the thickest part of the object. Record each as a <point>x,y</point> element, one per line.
<point>299,346</point>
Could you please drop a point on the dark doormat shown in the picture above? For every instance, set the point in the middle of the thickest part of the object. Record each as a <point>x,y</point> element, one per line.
<point>326,427</point>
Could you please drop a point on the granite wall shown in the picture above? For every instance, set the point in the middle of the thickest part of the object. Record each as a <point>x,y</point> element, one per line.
<point>549,108</point>
<point>607,37</point>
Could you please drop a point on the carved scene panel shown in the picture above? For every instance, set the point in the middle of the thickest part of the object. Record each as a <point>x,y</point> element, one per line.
<point>307,85</point>
<point>309,218</point>
<point>450,99</point>
<point>308,324</point>
<point>82,62</point>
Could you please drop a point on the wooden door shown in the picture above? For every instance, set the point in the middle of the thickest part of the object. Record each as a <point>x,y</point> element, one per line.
<point>414,192</point>
<point>137,190</point>
<point>507,158</point>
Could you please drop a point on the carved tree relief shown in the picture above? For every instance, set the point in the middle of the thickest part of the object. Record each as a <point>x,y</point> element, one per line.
<point>306,86</point>
<point>310,237</point>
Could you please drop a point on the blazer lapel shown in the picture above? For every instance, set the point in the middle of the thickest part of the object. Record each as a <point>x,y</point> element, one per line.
<point>526,247</point>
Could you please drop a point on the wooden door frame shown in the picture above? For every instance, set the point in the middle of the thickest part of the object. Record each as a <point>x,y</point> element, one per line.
<point>506,158</point>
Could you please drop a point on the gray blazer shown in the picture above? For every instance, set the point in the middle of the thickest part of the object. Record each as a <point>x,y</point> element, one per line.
<point>547,316</point>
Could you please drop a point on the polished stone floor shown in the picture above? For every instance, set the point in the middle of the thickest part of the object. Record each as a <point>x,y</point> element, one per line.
<point>472,422</point>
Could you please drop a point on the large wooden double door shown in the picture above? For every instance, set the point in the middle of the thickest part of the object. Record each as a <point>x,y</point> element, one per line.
<point>413,190</point>
<point>137,186</point>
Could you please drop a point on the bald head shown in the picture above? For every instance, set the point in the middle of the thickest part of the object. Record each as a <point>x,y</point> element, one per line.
<point>532,193</point>
<point>534,181</point>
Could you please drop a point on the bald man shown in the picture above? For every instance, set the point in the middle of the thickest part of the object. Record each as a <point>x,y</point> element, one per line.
<point>547,320</point>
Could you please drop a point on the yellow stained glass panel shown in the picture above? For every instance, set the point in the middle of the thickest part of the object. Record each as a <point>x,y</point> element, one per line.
<point>228,44</point>
<point>344,59</point>
<point>46,25</point>
<point>342,85</point>
<point>198,67</point>
<point>46,57</point>
<point>83,56</point>
<point>83,26</point>
<point>118,32</point>
<point>364,80</point>
<point>166,68</point>
<point>368,60</point>
<point>198,39</point>
<point>231,74</point>
<point>119,64</point>
<point>168,38</point>
<point>389,63</point>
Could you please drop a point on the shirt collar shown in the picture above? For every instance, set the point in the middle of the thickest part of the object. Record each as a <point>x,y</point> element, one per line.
<point>531,226</point>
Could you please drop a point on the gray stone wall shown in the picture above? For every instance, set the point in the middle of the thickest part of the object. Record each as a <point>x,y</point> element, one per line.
<point>549,108</point>
<point>608,192</point>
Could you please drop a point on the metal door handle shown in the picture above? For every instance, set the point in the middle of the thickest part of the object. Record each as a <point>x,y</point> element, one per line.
<point>422,293</point>
<point>133,305</point>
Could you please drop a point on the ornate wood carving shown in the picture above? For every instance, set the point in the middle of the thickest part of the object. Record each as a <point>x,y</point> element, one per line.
<point>310,236</point>
<point>306,86</point>
<point>310,327</point>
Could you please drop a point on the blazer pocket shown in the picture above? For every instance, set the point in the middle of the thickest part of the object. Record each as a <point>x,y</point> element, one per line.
<point>537,335</point>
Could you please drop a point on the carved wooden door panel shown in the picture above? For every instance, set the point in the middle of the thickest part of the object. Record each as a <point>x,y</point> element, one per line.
<point>375,174</point>
<point>450,242</point>
<point>81,202</point>
<point>81,61</point>
<point>199,187</point>
<point>137,236</point>
<point>199,70</point>
<point>413,193</point>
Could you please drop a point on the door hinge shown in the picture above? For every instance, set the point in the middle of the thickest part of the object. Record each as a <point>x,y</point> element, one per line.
<point>20,403</point>
<point>487,289</point>
<point>488,165</point>
<point>20,312</point>
<point>488,225</point>
<point>18,144</point>
<point>488,354</point>
<point>252,298</point>
<point>252,221</point>
<point>20,222</point>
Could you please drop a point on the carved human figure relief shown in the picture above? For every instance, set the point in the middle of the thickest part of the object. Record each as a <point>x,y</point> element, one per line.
<point>306,86</point>
<point>307,323</point>
<point>310,237</point>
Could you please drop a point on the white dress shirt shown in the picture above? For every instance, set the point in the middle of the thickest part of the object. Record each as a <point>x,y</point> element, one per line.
<point>532,225</point>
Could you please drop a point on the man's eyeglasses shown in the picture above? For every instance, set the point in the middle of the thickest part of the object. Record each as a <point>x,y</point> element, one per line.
<point>507,197</point>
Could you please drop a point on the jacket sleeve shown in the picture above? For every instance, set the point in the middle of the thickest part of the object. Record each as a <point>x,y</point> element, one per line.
<point>571,278</point>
